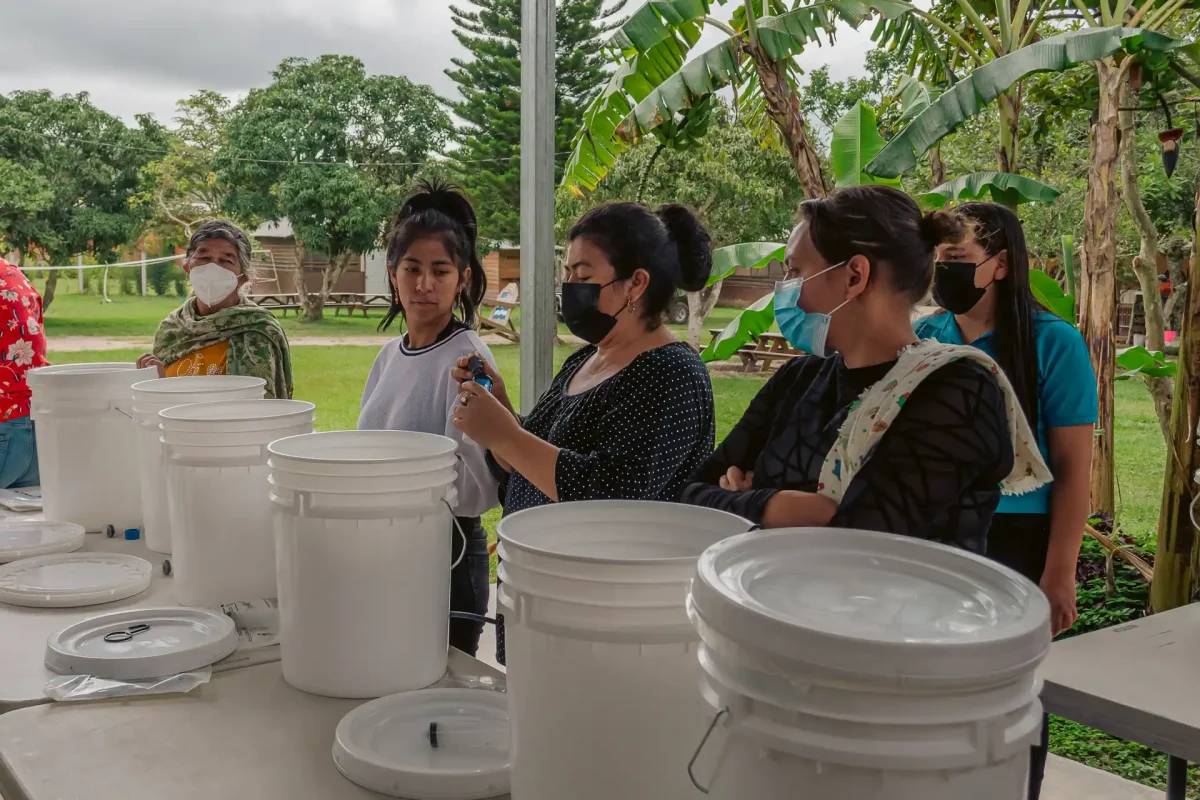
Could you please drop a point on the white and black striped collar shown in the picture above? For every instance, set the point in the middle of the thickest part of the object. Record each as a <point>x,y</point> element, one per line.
<point>455,328</point>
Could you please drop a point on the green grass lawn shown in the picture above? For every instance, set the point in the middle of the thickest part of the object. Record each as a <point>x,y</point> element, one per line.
<point>126,316</point>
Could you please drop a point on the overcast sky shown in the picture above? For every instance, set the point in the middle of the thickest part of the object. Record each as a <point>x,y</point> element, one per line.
<point>137,56</point>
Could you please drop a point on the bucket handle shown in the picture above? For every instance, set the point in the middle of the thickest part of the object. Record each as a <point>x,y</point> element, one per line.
<point>454,519</point>
<point>691,768</point>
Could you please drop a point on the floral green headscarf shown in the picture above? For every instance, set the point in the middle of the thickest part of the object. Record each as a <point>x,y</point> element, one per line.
<point>258,347</point>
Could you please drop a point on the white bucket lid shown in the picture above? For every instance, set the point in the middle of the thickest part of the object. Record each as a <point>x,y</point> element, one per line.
<point>386,745</point>
<point>160,389</point>
<point>65,580</point>
<point>175,640</point>
<point>80,384</point>
<point>621,533</point>
<point>363,453</point>
<point>230,414</point>
<point>24,538</point>
<point>872,605</point>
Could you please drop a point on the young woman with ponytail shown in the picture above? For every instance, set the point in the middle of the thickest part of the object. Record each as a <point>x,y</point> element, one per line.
<point>983,283</point>
<point>437,285</point>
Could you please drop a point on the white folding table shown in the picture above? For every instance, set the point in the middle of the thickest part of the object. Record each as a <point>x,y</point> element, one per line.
<point>23,631</point>
<point>247,734</point>
<point>1137,682</point>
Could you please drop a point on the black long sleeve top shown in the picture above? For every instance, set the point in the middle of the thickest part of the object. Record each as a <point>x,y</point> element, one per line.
<point>935,474</point>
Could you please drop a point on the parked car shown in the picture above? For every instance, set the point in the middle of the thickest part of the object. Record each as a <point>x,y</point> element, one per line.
<point>677,311</point>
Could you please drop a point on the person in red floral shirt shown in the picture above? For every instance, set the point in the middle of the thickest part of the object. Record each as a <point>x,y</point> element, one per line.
<point>22,347</point>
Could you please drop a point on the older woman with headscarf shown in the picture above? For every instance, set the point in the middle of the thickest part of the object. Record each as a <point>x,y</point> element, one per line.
<point>218,331</point>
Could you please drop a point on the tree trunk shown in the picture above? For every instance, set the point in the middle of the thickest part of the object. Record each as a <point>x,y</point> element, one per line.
<point>1009,104</point>
<point>937,170</point>
<point>1145,266</point>
<point>314,311</point>
<point>784,108</point>
<point>1175,566</point>
<point>700,305</point>
<point>1098,286</point>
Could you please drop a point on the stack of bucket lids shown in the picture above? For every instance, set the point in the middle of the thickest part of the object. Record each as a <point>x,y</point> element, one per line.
<point>142,643</point>
<point>432,744</point>
<point>65,580</point>
<point>871,605</point>
<point>24,538</point>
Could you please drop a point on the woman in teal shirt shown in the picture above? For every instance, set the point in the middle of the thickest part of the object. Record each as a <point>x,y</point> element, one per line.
<point>984,286</point>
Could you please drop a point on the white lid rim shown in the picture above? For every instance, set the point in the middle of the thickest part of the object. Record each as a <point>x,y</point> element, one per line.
<point>745,622</point>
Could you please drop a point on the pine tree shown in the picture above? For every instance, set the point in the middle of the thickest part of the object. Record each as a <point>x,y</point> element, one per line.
<point>489,82</point>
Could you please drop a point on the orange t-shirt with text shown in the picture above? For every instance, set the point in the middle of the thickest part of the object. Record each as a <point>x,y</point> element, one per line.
<point>205,361</point>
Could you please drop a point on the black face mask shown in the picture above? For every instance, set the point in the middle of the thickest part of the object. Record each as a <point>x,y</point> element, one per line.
<point>581,311</point>
<point>954,286</point>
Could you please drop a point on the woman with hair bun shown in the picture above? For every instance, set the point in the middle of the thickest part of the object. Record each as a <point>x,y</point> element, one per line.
<point>437,284</point>
<point>629,416</point>
<point>875,429</point>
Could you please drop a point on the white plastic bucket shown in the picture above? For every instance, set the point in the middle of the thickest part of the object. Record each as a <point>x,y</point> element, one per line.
<point>362,520</point>
<point>151,397</point>
<point>602,667</point>
<point>222,547</point>
<point>86,443</point>
<point>852,664</point>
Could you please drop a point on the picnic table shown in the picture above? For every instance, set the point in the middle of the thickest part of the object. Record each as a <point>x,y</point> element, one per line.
<point>247,733</point>
<point>350,301</point>
<point>766,353</point>
<point>1134,681</point>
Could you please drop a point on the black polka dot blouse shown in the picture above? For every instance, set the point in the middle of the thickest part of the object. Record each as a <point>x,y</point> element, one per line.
<point>637,436</point>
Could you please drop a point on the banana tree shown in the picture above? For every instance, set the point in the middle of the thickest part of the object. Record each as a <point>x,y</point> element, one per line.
<point>658,77</point>
<point>1101,46</point>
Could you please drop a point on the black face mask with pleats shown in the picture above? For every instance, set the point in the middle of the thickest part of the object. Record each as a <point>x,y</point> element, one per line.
<point>581,311</point>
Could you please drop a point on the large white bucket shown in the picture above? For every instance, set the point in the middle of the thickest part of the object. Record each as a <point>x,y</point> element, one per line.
<point>362,520</point>
<point>86,443</point>
<point>602,668</point>
<point>151,397</point>
<point>850,664</point>
<point>222,546</point>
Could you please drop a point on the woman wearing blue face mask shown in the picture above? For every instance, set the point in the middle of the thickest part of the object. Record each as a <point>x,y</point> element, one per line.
<point>886,433</point>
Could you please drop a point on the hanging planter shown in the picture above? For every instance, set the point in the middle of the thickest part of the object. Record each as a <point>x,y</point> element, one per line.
<point>1170,148</point>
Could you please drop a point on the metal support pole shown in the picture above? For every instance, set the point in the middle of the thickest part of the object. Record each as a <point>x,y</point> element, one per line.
<point>79,261</point>
<point>538,323</point>
<point>144,257</point>
<point>1177,769</point>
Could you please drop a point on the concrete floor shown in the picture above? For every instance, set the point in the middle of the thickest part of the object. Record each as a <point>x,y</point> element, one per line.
<point>1065,780</point>
<point>1068,780</point>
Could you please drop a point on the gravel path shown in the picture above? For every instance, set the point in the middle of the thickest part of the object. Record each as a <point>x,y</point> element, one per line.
<point>77,344</point>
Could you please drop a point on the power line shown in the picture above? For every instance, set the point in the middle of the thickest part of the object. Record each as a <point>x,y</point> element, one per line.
<point>153,151</point>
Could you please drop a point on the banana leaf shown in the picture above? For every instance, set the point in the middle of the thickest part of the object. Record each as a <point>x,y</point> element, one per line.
<point>754,255</point>
<point>744,329</point>
<point>855,141</point>
<point>640,96</point>
<point>1140,361</point>
<point>999,187</point>
<point>1047,292</point>
<point>974,92</point>
<point>657,21</point>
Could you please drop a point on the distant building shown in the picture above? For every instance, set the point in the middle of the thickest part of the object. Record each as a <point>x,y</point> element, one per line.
<point>277,265</point>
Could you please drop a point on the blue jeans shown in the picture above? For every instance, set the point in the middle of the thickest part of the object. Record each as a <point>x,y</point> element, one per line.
<point>18,454</point>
